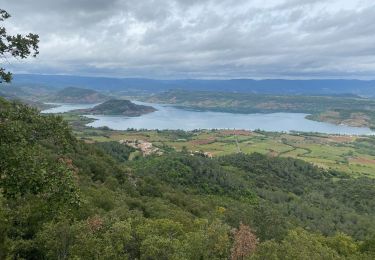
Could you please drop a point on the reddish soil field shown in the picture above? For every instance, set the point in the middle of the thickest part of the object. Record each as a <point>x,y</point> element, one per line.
<point>363,161</point>
<point>236,132</point>
<point>341,139</point>
<point>204,141</point>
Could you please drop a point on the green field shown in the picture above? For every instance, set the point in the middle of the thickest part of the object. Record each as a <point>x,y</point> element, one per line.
<point>348,154</point>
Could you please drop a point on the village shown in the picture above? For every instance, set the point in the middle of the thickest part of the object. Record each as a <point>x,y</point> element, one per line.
<point>147,148</point>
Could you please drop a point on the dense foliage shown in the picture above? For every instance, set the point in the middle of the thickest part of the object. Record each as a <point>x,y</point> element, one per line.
<point>65,199</point>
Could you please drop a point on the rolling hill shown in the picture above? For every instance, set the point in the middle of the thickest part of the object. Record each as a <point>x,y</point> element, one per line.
<point>78,95</point>
<point>120,107</point>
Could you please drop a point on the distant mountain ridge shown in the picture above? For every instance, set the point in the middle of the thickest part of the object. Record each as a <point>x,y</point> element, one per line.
<point>268,86</point>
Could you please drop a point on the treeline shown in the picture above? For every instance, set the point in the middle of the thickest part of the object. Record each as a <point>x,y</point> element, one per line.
<point>64,199</point>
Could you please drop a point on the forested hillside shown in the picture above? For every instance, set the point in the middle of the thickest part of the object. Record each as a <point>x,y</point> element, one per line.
<point>120,107</point>
<point>65,199</point>
<point>78,95</point>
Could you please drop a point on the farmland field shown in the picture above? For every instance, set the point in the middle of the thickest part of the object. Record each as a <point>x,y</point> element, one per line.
<point>349,154</point>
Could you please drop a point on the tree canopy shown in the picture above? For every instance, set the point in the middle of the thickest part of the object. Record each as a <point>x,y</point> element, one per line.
<point>16,46</point>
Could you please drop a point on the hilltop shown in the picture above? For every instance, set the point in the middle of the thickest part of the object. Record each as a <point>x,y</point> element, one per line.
<point>78,95</point>
<point>120,107</point>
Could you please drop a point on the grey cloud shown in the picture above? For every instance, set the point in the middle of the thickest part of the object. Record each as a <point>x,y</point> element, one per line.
<point>205,38</point>
<point>289,4</point>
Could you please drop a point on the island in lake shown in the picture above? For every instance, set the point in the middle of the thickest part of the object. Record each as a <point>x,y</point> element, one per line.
<point>119,107</point>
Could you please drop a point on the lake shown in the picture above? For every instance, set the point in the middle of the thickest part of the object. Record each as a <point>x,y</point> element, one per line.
<point>169,117</point>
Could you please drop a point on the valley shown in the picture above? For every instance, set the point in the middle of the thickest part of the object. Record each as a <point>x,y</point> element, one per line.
<point>350,154</point>
<point>288,167</point>
<point>187,130</point>
<point>104,188</point>
<point>347,153</point>
<point>340,109</point>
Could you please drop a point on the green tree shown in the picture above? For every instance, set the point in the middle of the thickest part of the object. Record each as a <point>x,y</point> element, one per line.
<point>269,223</point>
<point>160,239</point>
<point>368,246</point>
<point>90,239</point>
<point>25,165</point>
<point>36,184</point>
<point>55,239</point>
<point>17,46</point>
<point>298,244</point>
<point>4,226</point>
<point>210,241</point>
<point>343,244</point>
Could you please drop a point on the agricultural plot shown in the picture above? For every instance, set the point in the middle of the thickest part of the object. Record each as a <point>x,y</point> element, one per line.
<point>349,154</point>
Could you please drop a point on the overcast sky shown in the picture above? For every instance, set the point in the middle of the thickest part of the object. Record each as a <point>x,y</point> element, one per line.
<point>198,38</point>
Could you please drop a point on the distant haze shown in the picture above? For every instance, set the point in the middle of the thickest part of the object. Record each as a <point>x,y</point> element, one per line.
<point>364,88</point>
<point>220,39</point>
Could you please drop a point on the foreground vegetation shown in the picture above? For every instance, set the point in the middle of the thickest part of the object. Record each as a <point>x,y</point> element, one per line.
<point>62,198</point>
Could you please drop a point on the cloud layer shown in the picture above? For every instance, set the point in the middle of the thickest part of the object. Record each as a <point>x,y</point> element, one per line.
<point>199,38</point>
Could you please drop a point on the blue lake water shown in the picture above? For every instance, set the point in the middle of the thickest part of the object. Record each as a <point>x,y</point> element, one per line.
<point>169,117</point>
